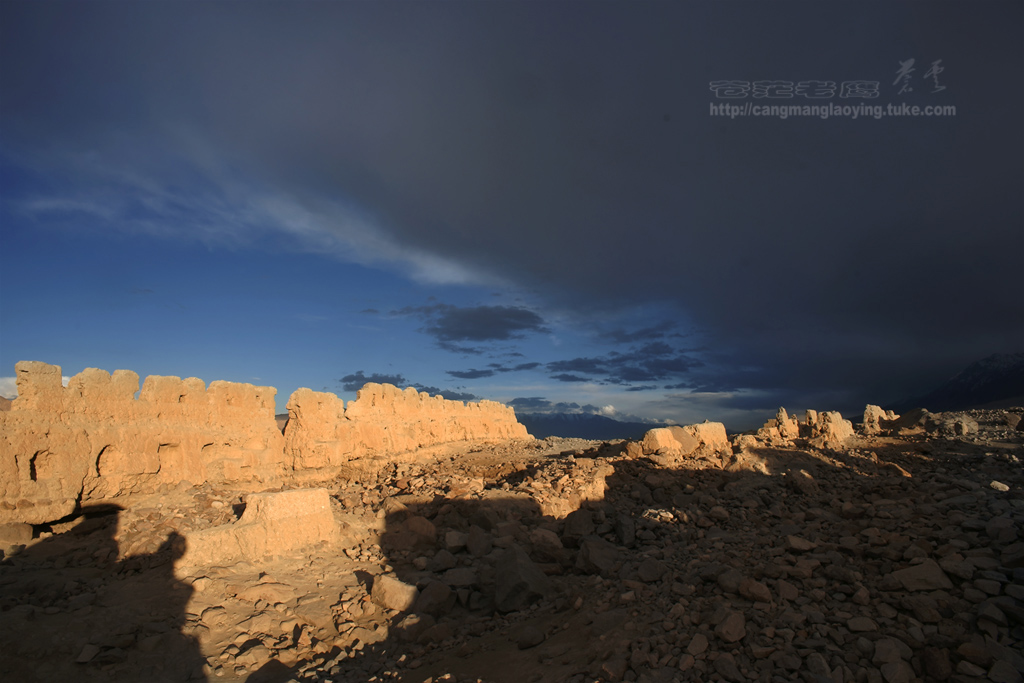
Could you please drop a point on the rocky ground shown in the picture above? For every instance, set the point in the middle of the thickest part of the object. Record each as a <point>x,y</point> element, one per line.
<point>893,559</point>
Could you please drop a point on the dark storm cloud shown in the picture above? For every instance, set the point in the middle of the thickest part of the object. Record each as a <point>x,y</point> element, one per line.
<point>620,335</point>
<point>451,324</point>
<point>530,403</point>
<point>470,374</point>
<point>459,349</point>
<point>356,380</point>
<point>590,366</point>
<point>587,166</point>
<point>449,394</point>
<point>484,323</point>
<point>498,367</point>
<point>539,405</point>
<point>494,368</point>
<point>566,377</point>
<point>650,362</point>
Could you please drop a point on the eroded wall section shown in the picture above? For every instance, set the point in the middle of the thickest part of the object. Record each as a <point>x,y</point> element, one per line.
<point>95,440</point>
<point>323,433</point>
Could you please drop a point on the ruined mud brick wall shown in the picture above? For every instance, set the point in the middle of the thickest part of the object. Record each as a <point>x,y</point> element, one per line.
<point>323,433</point>
<point>821,428</point>
<point>95,440</point>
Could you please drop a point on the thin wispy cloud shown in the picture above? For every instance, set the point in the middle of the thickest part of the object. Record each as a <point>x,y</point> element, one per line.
<point>204,203</point>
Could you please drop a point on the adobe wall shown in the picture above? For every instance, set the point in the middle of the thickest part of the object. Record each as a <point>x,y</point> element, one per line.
<point>323,433</point>
<point>821,428</point>
<point>95,440</point>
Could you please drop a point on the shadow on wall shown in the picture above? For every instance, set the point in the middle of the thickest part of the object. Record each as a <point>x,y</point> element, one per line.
<point>671,556</point>
<point>71,611</point>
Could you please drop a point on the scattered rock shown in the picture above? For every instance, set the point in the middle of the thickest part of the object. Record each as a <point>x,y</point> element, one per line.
<point>925,576</point>
<point>861,624</point>
<point>390,593</point>
<point>565,559</point>
<point>478,542</point>
<point>698,644</point>
<point>412,626</point>
<point>732,628</point>
<point>936,663</point>
<point>651,570</point>
<point>436,599</point>
<point>596,556</point>
<point>526,636</point>
<point>725,665</point>
<point>800,545</point>
<point>519,582</point>
<point>87,654</point>
<point>1004,672</point>
<point>754,590</point>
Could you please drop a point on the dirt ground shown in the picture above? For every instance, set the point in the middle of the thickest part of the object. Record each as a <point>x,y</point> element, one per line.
<point>893,559</point>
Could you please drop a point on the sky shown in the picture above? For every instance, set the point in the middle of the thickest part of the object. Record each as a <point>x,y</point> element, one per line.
<point>563,206</point>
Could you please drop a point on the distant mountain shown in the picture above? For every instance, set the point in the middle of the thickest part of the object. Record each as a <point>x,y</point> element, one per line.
<point>993,382</point>
<point>581,426</point>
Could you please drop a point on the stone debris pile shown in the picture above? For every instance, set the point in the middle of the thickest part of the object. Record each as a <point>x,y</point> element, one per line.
<point>822,429</point>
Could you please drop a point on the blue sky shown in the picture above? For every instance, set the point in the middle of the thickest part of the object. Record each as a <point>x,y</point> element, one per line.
<point>526,202</point>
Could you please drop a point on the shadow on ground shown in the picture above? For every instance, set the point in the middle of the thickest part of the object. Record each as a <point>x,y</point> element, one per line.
<point>73,612</point>
<point>624,587</point>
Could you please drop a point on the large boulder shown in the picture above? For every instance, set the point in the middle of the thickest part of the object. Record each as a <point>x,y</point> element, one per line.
<point>518,581</point>
<point>678,440</point>
<point>876,420</point>
<point>951,424</point>
<point>394,594</point>
<point>911,421</point>
<point>660,440</point>
<point>831,429</point>
<point>273,524</point>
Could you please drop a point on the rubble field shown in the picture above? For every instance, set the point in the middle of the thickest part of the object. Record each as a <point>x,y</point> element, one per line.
<point>896,556</point>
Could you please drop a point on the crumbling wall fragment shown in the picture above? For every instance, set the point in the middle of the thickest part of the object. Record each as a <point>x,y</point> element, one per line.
<point>876,420</point>
<point>93,440</point>
<point>273,524</point>
<point>322,432</point>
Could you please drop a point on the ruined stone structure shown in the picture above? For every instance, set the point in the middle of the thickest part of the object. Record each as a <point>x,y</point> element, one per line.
<point>877,420</point>
<point>323,433</point>
<point>95,440</point>
<point>681,441</point>
<point>821,428</point>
